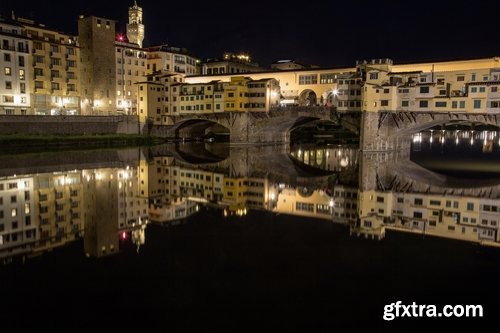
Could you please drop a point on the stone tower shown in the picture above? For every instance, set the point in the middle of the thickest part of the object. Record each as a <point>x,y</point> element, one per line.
<point>135,28</point>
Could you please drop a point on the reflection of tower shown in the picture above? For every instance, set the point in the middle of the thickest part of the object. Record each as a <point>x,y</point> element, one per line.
<point>135,28</point>
<point>101,229</point>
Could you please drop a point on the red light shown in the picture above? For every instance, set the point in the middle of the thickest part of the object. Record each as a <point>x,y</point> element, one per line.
<point>120,38</point>
<point>124,235</point>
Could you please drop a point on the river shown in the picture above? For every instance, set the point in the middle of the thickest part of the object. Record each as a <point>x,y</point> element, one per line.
<point>207,237</point>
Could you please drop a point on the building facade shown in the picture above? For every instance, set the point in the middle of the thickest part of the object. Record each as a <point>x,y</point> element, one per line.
<point>166,95</point>
<point>15,67</point>
<point>171,60</point>
<point>96,36</point>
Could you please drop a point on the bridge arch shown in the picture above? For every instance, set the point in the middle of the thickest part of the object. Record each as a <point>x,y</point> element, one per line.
<point>308,97</point>
<point>198,128</point>
<point>390,130</point>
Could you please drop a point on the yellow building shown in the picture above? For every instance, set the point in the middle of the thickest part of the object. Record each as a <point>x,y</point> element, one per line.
<point>164,95</point>
<point>159,97</point>
<point>468,86</point>
<point>381,85</point>
<point>55,70</point>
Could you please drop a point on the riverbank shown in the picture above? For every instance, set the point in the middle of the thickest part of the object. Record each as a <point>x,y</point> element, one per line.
<point>25,143</point>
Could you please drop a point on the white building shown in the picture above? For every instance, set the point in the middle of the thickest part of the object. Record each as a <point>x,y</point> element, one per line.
<point>15,64</point>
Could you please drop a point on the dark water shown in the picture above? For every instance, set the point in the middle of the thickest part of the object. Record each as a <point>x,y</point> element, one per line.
<point>253,239</point>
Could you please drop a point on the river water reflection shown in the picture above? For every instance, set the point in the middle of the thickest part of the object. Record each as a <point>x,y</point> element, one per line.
<point>197,220</point>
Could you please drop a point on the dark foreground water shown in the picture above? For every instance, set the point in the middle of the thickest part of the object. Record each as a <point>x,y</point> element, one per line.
<point>253,239</point>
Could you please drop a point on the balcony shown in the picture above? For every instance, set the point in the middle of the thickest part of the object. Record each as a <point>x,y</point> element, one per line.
<point>8,47</point>
<point>38,51</point>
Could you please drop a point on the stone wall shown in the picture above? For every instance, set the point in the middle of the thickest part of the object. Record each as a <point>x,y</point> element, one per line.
<point>69,125</point>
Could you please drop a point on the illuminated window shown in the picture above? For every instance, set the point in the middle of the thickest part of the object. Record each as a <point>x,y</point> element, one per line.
<point>13,212</point>
<point>7,71</point>
<point>308,79</point>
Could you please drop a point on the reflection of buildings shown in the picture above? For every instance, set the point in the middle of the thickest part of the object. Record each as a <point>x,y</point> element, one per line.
<point>458,217</point>
<point>60,208</point>
<point>178,209</point>
<point>304,202</point>
<point>18,231</point>
<point>41,212</point>
<point>114,206</point>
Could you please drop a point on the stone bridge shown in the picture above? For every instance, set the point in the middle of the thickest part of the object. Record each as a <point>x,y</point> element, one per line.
<point>255,127</point>
<point>392,130</point>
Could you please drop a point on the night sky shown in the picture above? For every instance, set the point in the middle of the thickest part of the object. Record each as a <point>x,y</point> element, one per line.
<point>325,33</point>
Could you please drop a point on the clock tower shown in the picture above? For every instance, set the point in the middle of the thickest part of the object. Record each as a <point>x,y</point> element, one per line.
<point>135,28</point>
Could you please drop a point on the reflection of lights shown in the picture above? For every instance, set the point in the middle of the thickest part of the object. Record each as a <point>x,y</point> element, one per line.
<point>273,196</point>
<point>98,176</point>
<point>344,162</point>
<point>456,141</point>
<point>299,153</point>
<point>417,137</point>
<point>471,141</point>
<point>120,185</point>
<point>331,203</point>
